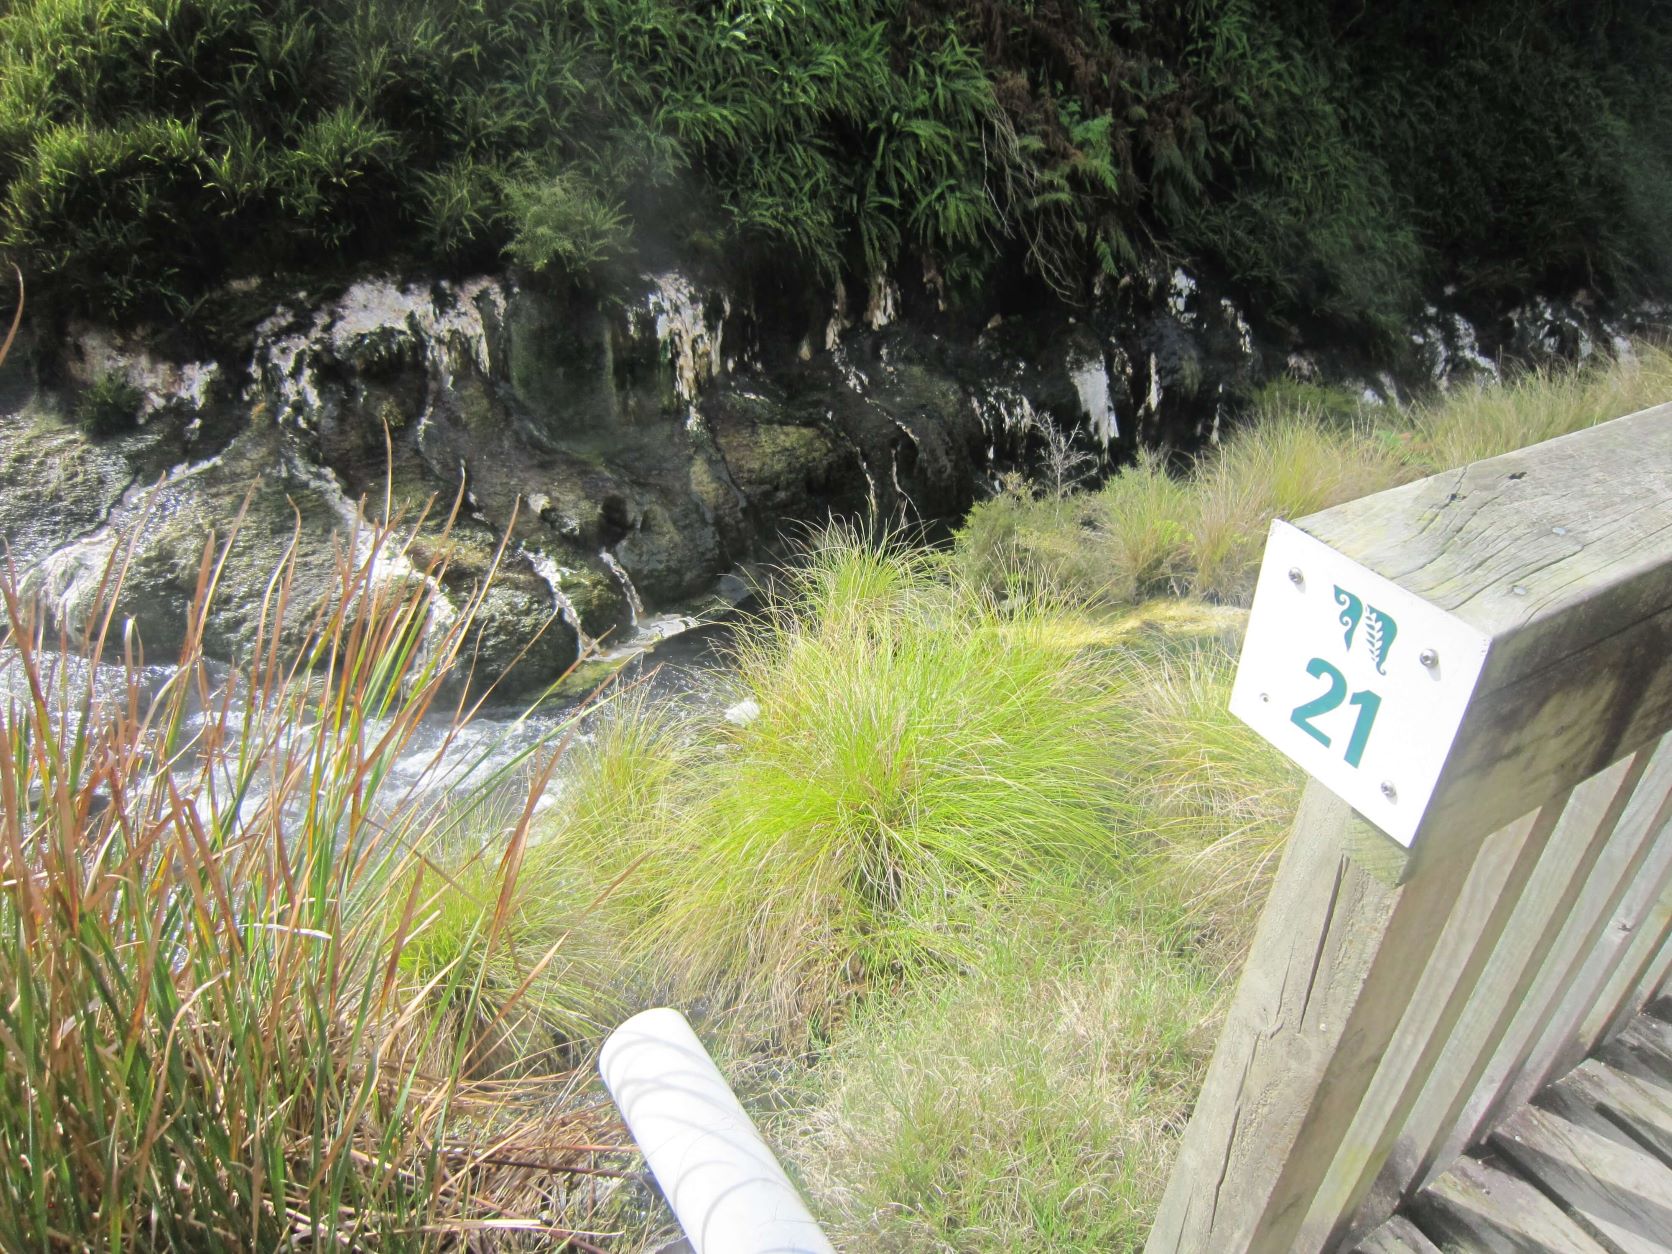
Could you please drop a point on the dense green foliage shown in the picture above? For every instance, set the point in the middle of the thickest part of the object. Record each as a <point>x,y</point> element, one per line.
<point>1333,158</point>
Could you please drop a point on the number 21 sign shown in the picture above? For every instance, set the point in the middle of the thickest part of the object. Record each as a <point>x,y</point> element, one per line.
<point>1359,680</point>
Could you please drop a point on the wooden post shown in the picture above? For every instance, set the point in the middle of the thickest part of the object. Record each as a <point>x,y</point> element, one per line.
<point>1532,596</point>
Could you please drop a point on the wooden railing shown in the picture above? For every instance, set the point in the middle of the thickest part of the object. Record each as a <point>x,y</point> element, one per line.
<point>1406,992</point>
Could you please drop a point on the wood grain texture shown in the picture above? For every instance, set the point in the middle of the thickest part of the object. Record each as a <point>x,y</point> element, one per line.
<point>1479,1207</point>
<point>1513,544</point>
<point>1397,1236</point>
<point>1435,1132</point>
<point>1522,743</point>
<point>1643,1108</point>
<point>1333,969</point>
<point>1648,1042</point>
<point>1562,555</point>
<point>1638,943</point>
<point>1317,938</point>
<point>1547,1033</point>
<point>1413,1123</point>
<point>1618,1193</point>
<point>1644,978</point>
<point>1435,1043</point>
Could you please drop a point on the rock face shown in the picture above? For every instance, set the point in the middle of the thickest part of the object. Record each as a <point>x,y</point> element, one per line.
<point>602,463</point>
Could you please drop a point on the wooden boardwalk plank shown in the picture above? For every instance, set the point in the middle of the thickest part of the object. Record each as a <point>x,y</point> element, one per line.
<point>1648,1043</point>
<point>1479,1207</point>
<point>1621,1195</point>
<point>1397,1236</point>
<point>1642,1108</point>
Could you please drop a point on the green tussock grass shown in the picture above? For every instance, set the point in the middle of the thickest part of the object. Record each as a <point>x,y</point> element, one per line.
<point>916,756</point>
<point>1033,1097</point>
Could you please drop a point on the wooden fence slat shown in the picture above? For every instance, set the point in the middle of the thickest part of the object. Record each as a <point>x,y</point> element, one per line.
<point>1581,962</point>
<point>1478,1207</point>
<point>1433,1134</point>
<point>1333,967</point>
<point>1286,992</point>
<point>1647,987</point>
<point>1634,941</point>
<point>1408,942</point>
<point>1425,1045</point>
<point>1651,988</point>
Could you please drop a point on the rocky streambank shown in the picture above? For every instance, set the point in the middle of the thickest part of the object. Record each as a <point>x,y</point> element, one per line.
<point>610,462</point>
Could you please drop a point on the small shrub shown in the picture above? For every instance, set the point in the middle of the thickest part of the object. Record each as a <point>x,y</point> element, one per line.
<point>562,223</point>
<point>108,406</point>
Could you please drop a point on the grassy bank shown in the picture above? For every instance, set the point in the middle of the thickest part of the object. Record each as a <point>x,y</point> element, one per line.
<point>1149,531</point>
<point>963,1037</point>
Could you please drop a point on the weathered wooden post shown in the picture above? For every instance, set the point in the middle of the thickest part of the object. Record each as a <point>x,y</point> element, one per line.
<point>1475,670</point>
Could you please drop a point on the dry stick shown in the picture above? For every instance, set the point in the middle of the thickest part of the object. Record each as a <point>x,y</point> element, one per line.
<point>17,316</point>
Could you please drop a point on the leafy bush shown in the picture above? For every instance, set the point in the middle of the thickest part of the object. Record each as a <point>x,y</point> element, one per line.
<point>1334,163</point>
<point>561,222</point>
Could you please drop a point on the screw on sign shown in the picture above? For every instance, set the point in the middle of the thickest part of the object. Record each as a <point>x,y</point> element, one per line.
<point>1341,671</point>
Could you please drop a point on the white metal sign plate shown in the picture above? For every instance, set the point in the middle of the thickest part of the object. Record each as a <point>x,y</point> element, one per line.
<point>1361,682</point>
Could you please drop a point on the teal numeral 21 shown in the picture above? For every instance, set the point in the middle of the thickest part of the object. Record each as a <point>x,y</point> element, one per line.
<point>1368,703</point>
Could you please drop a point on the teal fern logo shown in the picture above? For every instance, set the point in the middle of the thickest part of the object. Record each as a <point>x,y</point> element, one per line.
<point>1379,631</point>
<point>1378,634</point>
<point>1379,627</point>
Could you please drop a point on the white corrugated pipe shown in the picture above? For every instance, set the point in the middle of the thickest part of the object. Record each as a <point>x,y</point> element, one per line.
<point>726,1188</point>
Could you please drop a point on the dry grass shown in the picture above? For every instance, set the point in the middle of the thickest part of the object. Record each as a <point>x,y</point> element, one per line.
<point>1280,465</point>
<point>1538,405</point>
<point>1147,531</point>
<point>1217,799</point>
<point>1030,1103</point>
